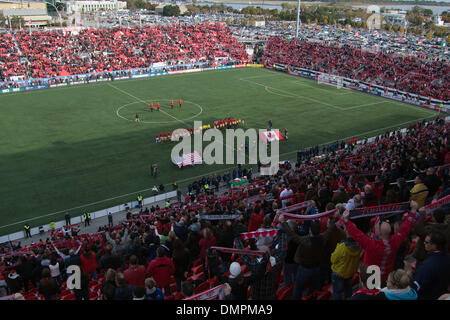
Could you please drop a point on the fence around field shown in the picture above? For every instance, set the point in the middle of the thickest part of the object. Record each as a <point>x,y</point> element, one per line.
<point>94,215</point>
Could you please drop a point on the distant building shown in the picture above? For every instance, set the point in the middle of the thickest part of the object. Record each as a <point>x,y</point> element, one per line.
<point>74,6</point>
<point>159,9</point>
<point>33,13</point>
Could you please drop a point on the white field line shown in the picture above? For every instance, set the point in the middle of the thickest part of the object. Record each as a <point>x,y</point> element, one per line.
<point>139,99</point>
<point>294,96</point>
<point>299,83</point>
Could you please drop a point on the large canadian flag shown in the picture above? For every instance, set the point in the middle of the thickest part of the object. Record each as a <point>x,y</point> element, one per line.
<point>269,136</point>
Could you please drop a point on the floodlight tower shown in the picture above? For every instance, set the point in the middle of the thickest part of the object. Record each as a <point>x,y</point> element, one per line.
<point>298,18</point>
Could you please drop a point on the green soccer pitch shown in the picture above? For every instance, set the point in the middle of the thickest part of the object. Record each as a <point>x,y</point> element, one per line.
<point>78,148</point>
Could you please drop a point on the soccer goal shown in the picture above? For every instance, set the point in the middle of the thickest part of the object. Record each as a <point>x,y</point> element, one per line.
<point>330,79</point>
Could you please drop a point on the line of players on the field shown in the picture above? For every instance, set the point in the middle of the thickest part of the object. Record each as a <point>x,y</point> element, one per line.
<point>159,106</point>
<point>219,124</point>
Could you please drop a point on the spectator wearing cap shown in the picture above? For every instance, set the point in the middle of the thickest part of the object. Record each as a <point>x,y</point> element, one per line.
<point>420,191</point>
<point>432,277</point>
<point>135,274</point>
<point>151,291</point>
<point>238,283</point>
<point>382,251</point>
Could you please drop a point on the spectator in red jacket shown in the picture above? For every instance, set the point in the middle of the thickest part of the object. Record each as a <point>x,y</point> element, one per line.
<point>161,268</point>
<point>207,241</point>
<point>381,252</point>
<point>135,274</point>
<point>256,220</point>
<point>89,263</point>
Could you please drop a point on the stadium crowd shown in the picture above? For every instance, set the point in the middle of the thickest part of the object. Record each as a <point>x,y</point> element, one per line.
<point>51,53</point>
<point>410,73</point>
<point>166,253</point>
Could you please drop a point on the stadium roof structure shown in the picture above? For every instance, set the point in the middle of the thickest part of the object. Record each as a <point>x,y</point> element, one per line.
<point>23,12</point>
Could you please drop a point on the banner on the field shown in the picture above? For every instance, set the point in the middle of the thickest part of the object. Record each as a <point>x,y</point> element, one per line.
<point>220,216</point>
<point>272,135</point>
<point>309,217</point>
<point>259,234</point>
<point>395,208</point>
<point>239,182</point>
<point>239,251</point>
<point>216,293</point>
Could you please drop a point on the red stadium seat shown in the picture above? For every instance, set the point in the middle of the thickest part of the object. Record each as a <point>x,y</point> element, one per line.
<point>179,295</point>
<point>196,262</point>
<point>70,296</point>
<point>285,292</point>
<point>202,287</point>
<point>197,269</point>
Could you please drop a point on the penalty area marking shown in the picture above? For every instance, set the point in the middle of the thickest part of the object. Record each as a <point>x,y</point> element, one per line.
<point>159,122</point>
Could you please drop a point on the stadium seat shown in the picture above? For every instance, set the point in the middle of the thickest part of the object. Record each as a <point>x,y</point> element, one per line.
<point>202,287</point>
<point>31,297</point>
<point>65,292</point>
<point>285,292</point>
<point>70,296</point>
<point>196,262</point>
<point>197,269</point>
<point>178,295</point>
<point>93,296</point>
<point>324,295</point>
<point>355,280</point>
<point>213,282</point>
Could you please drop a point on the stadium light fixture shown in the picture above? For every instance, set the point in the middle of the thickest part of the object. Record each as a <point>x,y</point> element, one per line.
<point>298,19</point>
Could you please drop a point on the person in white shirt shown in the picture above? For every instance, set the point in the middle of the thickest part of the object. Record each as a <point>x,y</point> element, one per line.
<point>286,192</point>
<point>54,270</point>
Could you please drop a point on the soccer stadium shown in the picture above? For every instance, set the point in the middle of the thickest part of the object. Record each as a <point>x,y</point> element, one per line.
<point>110,121</point>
